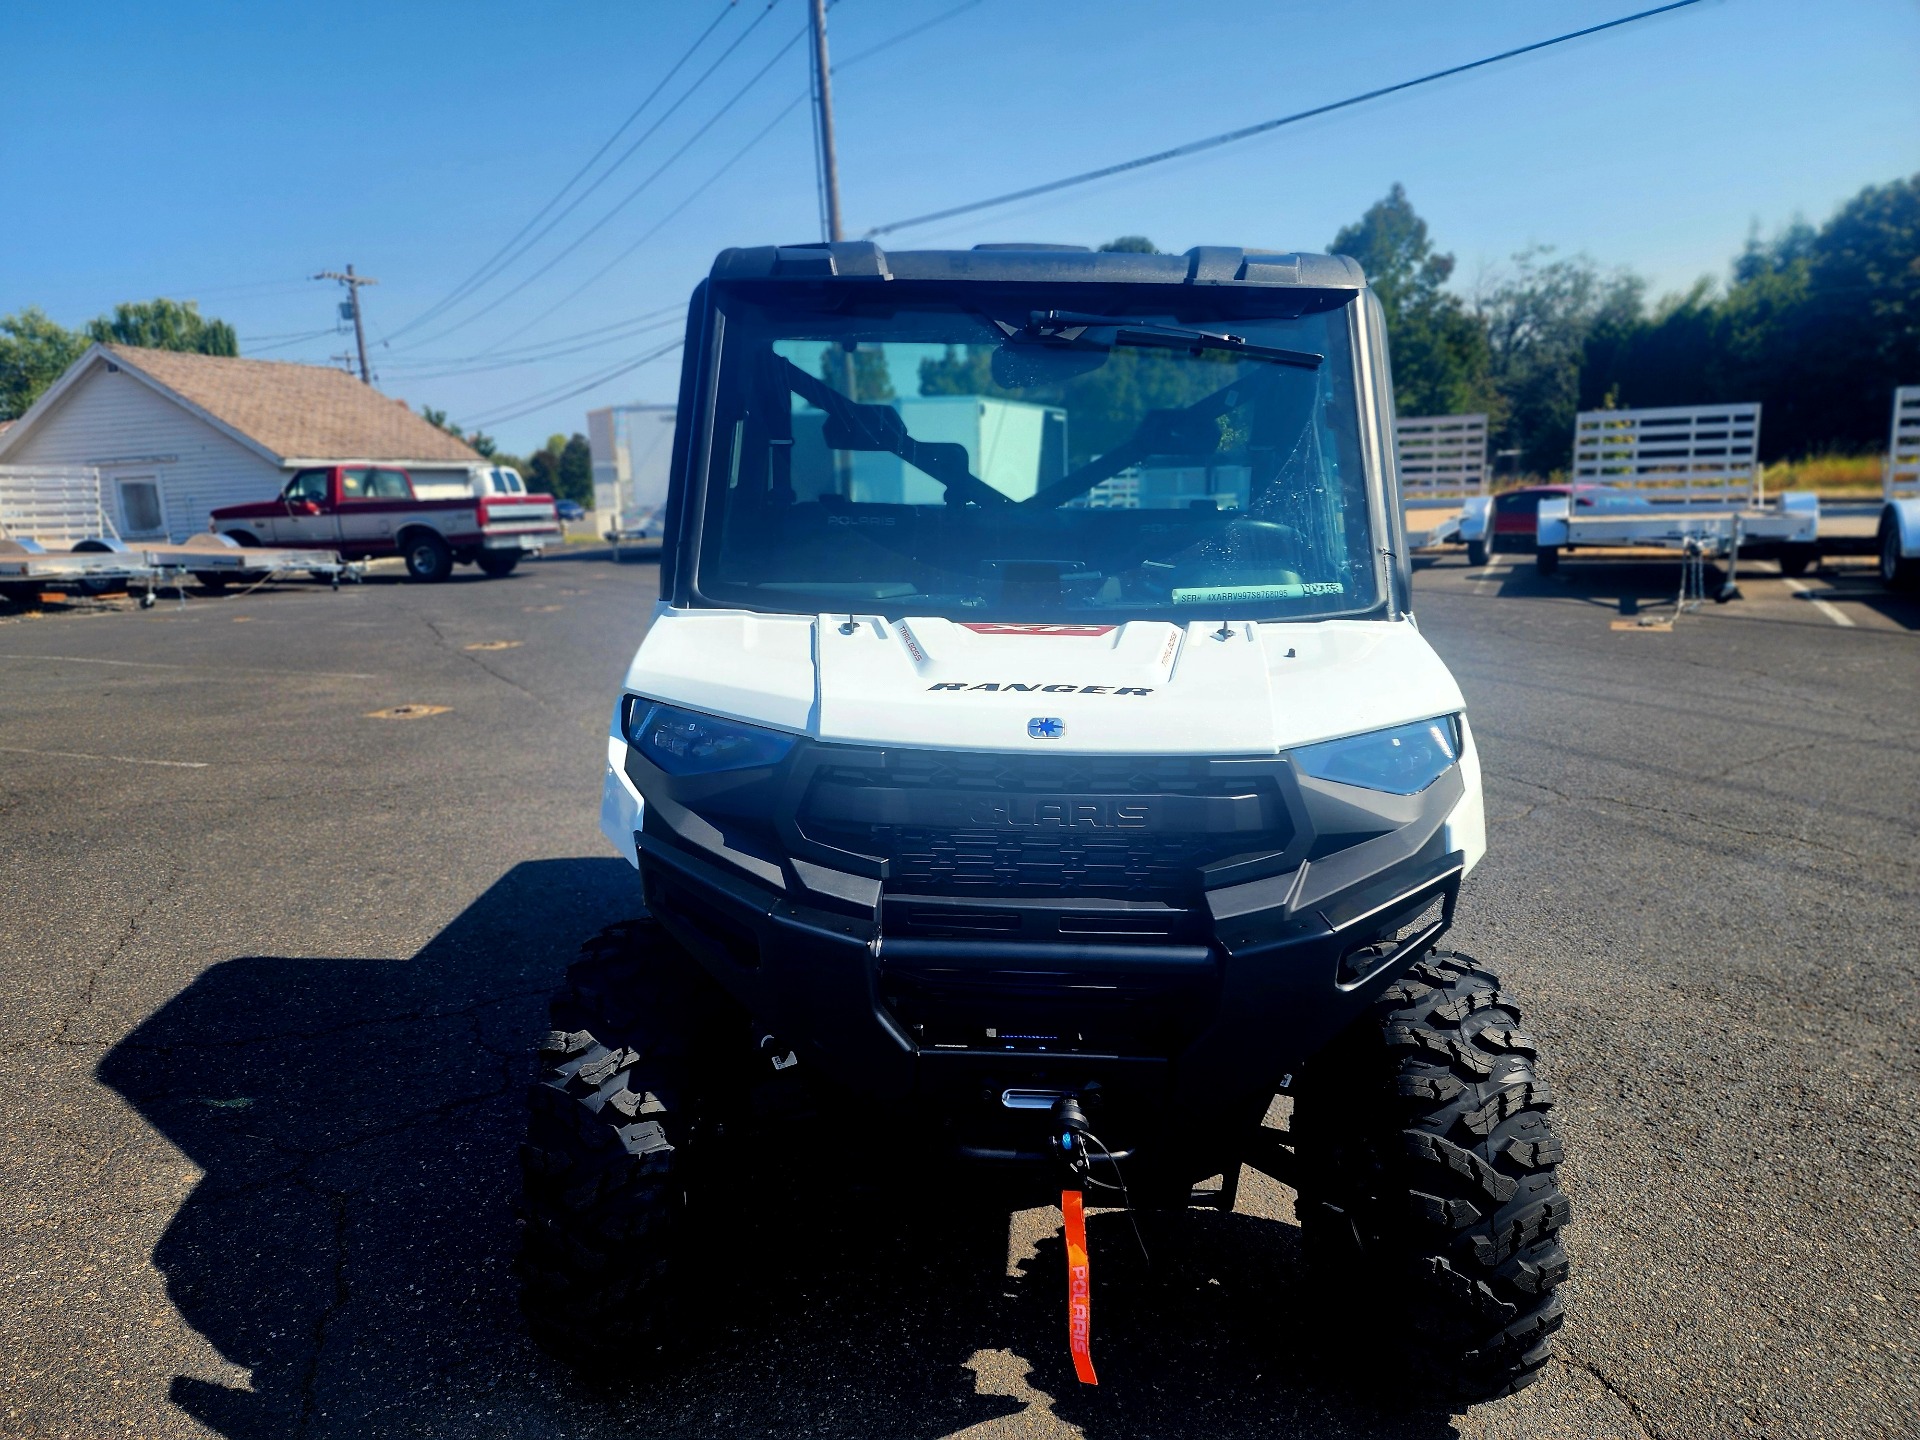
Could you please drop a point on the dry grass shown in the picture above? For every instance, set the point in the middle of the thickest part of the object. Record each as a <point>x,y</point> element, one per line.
<point>1827,474</point>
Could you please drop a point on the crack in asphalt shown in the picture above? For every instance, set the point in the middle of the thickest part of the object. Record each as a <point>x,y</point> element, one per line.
<point>1632,1406</point>
<point>469,655</point>
<point>100,966</point>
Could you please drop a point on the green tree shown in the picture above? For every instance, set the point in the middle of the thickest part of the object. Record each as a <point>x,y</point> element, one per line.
<point>543,466</point>
<point>562,467</point>
<point>1131,245</point>
<point>164,324</point>
<point>859,374</point>
<point>439,418</point>
<point>488,447</point>
<point>576,470</point>
<point>34,352</point>
<point>1441,361</point>
<point>1539,316</point>
<point>1819,325</point>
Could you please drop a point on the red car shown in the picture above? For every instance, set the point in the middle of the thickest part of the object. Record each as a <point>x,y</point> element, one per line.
<point>364,511</point>
<point>1516,514</point>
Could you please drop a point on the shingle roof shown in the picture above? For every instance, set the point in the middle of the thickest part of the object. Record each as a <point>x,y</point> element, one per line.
<point>305,412</point>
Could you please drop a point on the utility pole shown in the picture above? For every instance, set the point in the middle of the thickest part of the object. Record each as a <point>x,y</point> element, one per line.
<point>823,88</point>
<point>353,283</point>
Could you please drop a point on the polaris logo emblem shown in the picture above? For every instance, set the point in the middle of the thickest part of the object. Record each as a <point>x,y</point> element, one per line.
<point>1046,727</point>
<point>1047,812</point>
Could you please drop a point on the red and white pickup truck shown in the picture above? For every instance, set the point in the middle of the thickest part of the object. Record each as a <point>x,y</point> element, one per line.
<point>364,511</point>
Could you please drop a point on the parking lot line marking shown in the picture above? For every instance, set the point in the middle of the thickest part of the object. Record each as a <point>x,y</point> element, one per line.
<point>1827,608</point>
<point>158,665</point>
<point>118,759</point>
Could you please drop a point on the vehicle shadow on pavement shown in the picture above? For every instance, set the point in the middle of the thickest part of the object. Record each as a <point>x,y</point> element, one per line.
<point>350,1244</point>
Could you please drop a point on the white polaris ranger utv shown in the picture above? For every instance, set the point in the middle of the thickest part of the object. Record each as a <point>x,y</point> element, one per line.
<point>1033,738</point>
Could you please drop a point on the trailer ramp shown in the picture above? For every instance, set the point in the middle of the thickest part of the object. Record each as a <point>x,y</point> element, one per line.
<point>1682,478</point>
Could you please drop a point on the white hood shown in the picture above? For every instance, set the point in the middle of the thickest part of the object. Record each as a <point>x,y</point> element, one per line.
<point>1143,687</point>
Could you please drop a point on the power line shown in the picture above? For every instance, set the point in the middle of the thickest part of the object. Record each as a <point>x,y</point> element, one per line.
<point>632,324</point>
<point>661,223</point>
<point>1194,147</point>
<point>631,195</point>
<point>480,276</point>
<point>598,181</point>
<point>283,342</point>
<point>531,403</point>
<point>805,97</point>
<point>516,362</point>
<point>924,25</point>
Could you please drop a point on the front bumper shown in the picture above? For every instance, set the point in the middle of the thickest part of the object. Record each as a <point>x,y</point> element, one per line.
<point>1177,981</point>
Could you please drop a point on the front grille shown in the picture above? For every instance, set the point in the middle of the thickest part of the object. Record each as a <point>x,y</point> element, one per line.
<point>994,862</point>
<point>1043,826</point>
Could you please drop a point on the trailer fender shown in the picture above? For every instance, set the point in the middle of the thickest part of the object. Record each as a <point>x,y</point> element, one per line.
<point>1805,508</point>
<point>1550,524</point>
<point>1904,516</point>
<point>1475,515</point>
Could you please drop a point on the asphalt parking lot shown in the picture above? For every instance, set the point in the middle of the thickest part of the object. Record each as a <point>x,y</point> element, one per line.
<point>272,965</point>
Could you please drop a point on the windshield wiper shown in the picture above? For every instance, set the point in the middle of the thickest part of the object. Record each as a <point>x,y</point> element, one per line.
<point>1067,327</point>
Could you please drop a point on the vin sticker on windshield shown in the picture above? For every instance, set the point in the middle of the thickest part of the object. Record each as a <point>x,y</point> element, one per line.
<point>1203,594</point>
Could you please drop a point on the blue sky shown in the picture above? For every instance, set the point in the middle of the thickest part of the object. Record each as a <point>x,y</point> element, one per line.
<point>224,151</point>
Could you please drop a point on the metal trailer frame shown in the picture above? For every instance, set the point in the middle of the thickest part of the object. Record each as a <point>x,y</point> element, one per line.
<point>1899,530</point>
<point>1681,477</point>
<point>1443,467</point>
<point>62,504</point>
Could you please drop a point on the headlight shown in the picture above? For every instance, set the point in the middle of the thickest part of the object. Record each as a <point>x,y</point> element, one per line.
<point>1401,761</point>
<point>685,742</point>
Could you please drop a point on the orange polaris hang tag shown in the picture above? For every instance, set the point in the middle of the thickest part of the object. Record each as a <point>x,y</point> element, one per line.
<point>1079,1286</point>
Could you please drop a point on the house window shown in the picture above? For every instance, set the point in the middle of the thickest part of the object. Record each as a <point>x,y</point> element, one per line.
<point>140,514</point>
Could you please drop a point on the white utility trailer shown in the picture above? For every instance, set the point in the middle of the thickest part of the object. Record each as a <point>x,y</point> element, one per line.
<point>1443,481</point>
<point>1900,495</point>
<point>1683,478</point>
<point>56,534</point>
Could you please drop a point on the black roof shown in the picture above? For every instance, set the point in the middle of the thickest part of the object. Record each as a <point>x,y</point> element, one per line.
<point>1056,264</point>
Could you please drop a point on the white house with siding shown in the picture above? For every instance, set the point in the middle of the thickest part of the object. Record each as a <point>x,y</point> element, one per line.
<point>176,435</point>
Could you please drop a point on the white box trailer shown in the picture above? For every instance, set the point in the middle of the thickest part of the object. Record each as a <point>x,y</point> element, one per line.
<point>1680,478</point>
<point>1899,534</point>
<point>1443,481</point>
<point>632,449</point>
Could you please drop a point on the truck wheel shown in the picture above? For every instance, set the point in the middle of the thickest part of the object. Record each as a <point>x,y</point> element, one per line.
<point>1427,1180</point>
<point>1896,571</point>
<point>1546,559</point>
<point>497,563</point>
<point>604,1168</point>
<point>1476,552</point>
<point>428,557</point>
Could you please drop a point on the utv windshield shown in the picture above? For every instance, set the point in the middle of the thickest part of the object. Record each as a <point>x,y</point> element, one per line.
<point>990,461</point>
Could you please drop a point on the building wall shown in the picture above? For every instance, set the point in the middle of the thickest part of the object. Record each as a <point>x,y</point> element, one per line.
<point>117,424</point>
